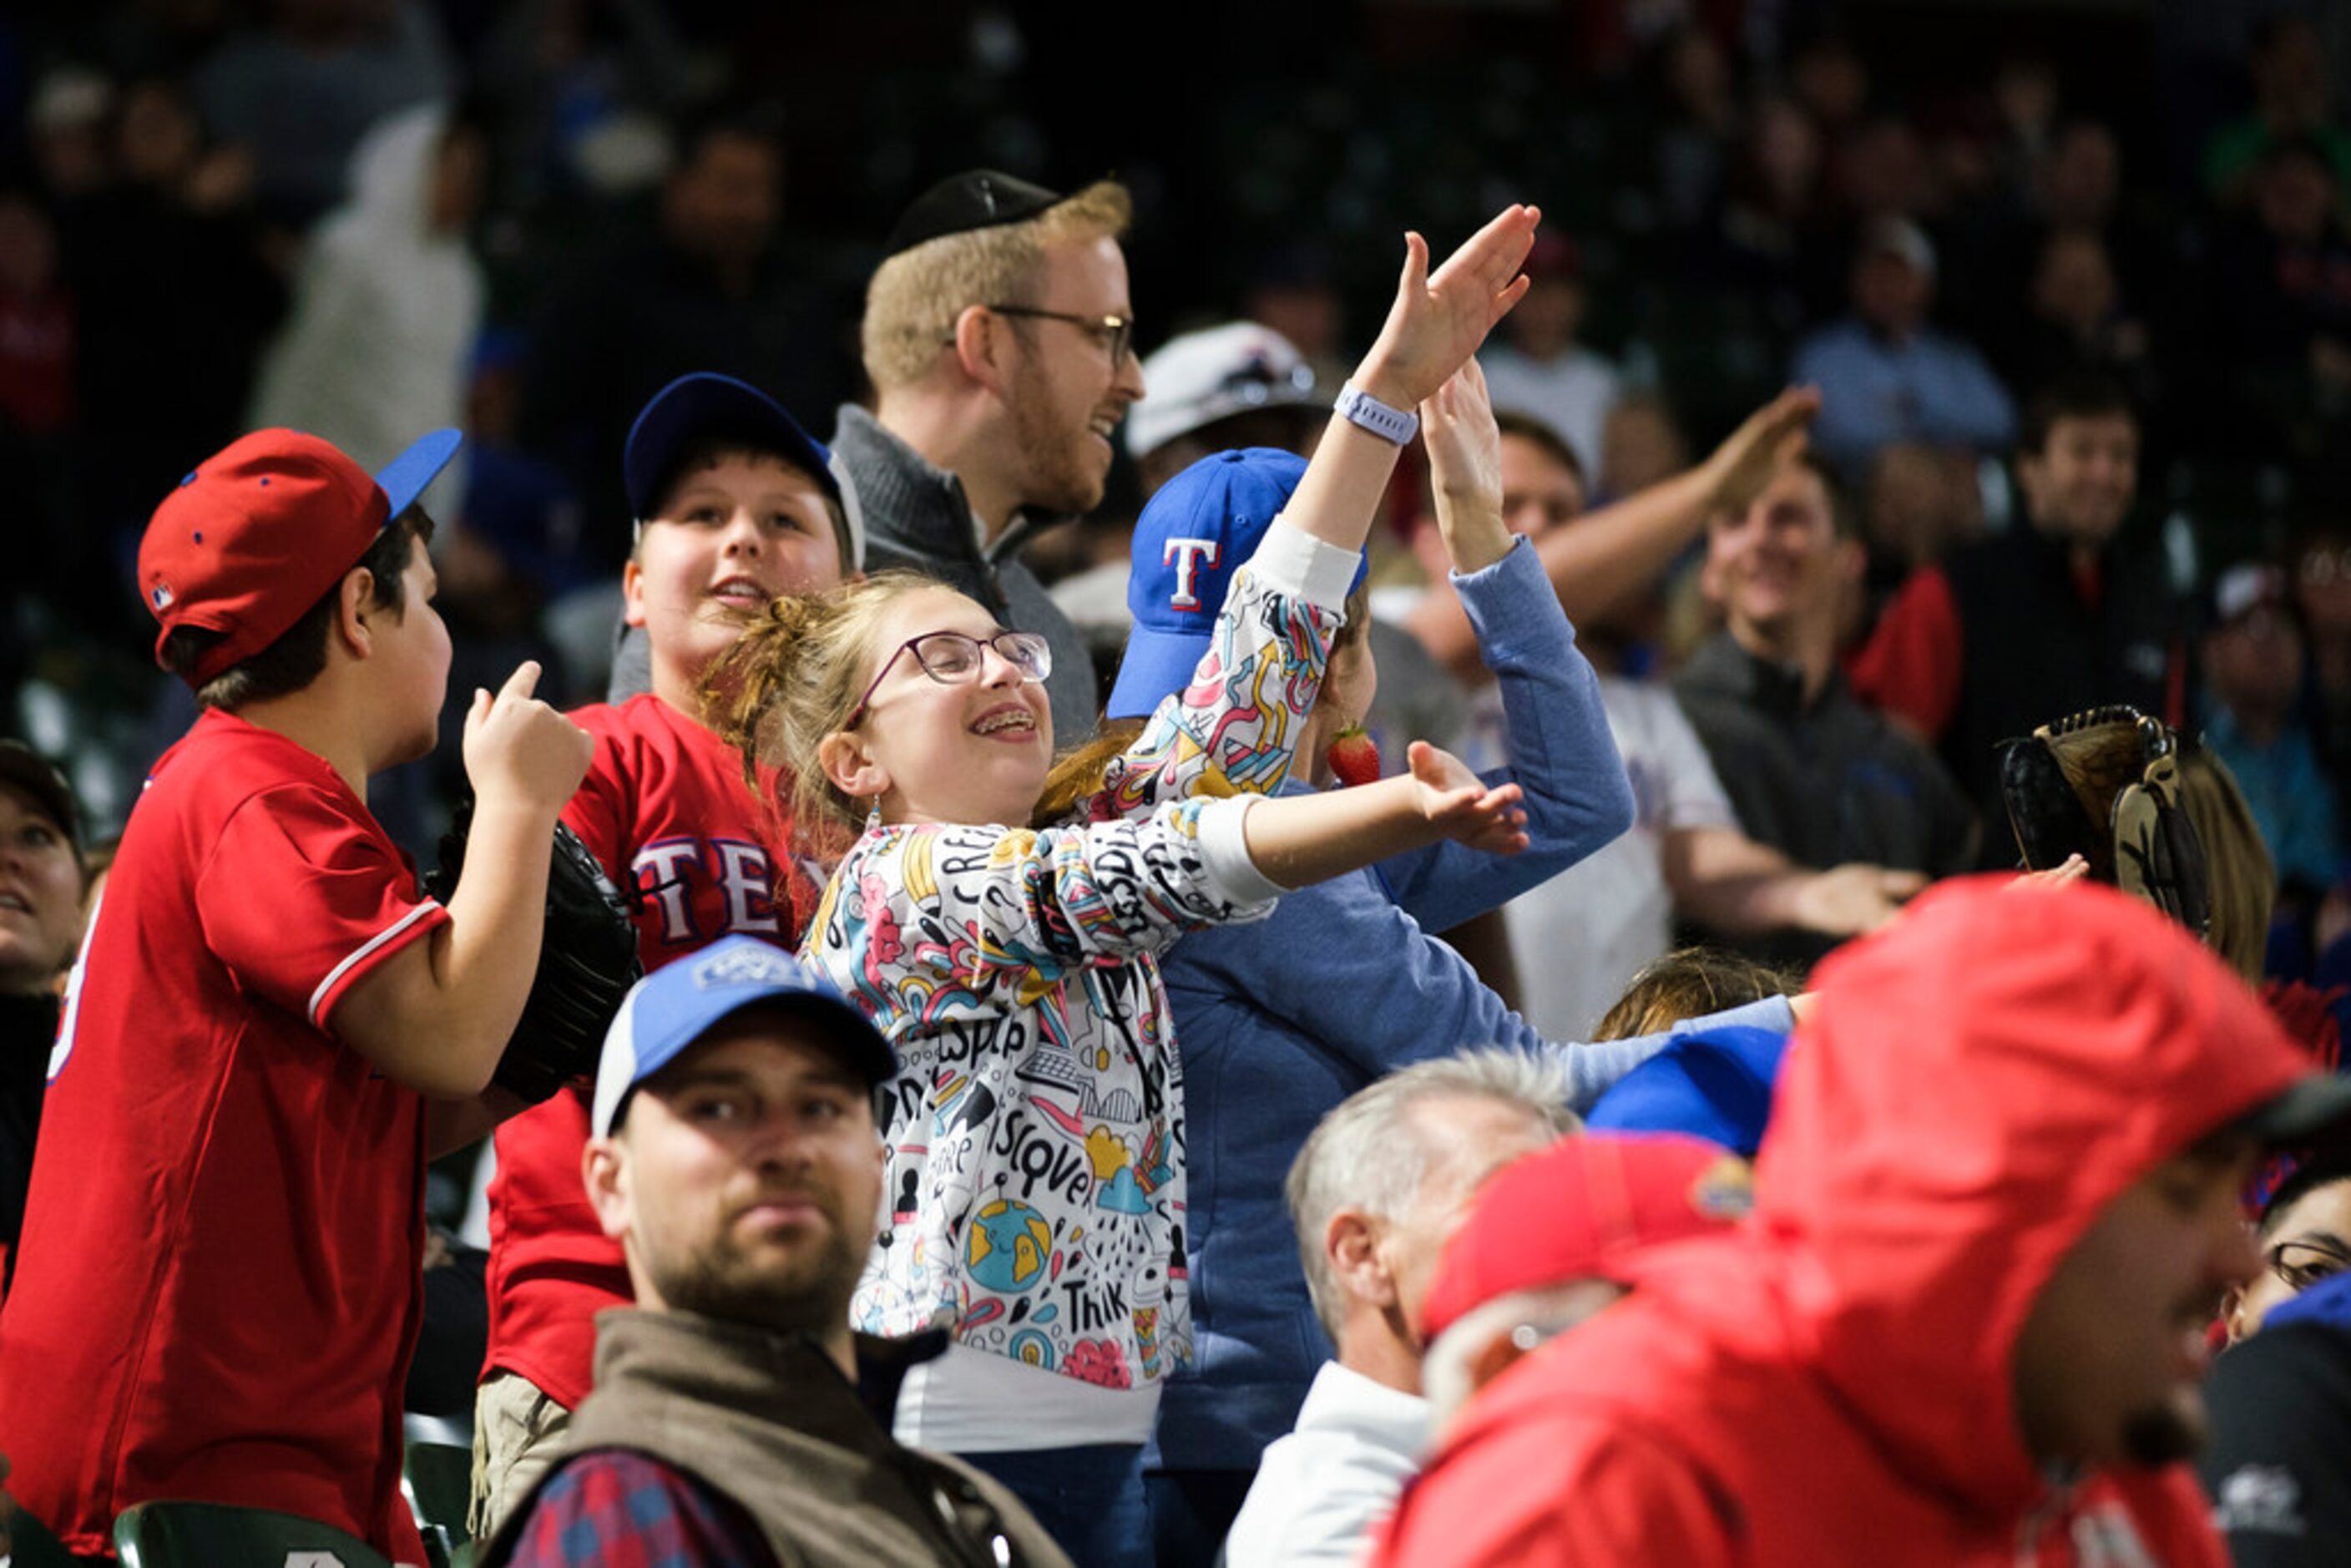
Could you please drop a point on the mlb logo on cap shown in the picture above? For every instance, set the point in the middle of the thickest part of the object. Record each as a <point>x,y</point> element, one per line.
<point>679,1003</point>
<point>258,533</point>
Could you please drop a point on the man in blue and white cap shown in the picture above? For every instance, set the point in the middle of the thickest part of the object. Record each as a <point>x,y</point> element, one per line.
<point>735,1158</point>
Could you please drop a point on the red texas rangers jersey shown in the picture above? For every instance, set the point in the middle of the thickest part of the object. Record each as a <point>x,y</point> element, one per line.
<point>665,809</point>
<point>218,1288</point>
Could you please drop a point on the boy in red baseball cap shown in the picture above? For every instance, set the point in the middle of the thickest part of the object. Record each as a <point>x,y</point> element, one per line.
<point>269,1026</point>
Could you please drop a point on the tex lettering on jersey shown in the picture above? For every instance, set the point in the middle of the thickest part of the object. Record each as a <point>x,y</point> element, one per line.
<point>692,891</point>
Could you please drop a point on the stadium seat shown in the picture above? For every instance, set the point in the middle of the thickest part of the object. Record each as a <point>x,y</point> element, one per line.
<point>29,1544</point>
<point>437,1478</point>
<point>215,1535</point>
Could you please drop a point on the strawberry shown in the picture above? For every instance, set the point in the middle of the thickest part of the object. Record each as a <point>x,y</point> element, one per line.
<point>1354,756</point>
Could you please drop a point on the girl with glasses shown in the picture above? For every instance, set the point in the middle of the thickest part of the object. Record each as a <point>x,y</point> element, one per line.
<point>1035,1133</point>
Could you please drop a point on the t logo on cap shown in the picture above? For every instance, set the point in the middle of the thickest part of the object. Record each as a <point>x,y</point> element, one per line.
<point>1184,556</point>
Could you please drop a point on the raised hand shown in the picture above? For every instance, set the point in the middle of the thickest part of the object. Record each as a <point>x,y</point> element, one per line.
<point>1459,806</point>
<point>1465,469</point>
<point>1854,898</point>
<point>1738,470</point>
<point>521,751</point>
<point>1439,320</point>
<point>2073,868</point>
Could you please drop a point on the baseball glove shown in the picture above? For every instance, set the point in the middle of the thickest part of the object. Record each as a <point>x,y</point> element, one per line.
<point>586,962</point>
<point>2104,784</point>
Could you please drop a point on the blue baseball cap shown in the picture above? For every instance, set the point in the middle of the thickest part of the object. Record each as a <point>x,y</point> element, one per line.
<point>1192,535</point>
<point>404,478</point>
<point>1714,1084</point>
<point>704,406</point>
<point>679,1003</point>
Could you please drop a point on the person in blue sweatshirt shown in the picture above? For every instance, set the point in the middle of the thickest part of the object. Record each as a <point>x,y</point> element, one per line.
<point>1344,984</point>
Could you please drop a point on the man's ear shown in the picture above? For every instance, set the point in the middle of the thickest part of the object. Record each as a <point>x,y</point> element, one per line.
<point>1851,561</point>
<point>603,1167</point>
<point>980,346</point>
<point>354,601</point>
<point>1350,1246</point>
<point>850,767</point>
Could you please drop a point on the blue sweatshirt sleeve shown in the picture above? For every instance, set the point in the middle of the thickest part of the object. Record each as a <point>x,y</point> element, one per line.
<point>1562,754</point>
<point>1341,965</point>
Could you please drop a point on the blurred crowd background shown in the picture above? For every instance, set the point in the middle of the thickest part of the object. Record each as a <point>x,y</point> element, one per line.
<point>368,218</point>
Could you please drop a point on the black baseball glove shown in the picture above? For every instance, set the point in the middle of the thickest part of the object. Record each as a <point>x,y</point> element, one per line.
<point>2104,784</point>
<point>586,962</point>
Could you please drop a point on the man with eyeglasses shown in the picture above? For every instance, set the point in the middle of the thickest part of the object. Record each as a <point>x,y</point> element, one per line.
<point>733,1424</point>
<point>2281,1397</point>
<point>999,339</point>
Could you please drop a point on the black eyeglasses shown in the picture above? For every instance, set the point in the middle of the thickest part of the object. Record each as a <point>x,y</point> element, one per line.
<point>2304,1263</point>
<point>954,659</point>
<point>1114,332</point>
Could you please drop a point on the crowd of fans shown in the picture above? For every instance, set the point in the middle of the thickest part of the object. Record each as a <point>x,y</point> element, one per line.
<point>1858,475</point>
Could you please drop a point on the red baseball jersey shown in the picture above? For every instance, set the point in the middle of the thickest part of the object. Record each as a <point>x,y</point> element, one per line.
<point>664,807</point>
<point>218,1286</point>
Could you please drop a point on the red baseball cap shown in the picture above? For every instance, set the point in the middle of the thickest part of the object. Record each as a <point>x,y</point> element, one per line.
<point>1577,1209</point>
<point>260,530</point>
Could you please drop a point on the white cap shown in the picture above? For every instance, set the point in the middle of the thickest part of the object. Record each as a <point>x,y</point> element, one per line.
<point>1202,377</point>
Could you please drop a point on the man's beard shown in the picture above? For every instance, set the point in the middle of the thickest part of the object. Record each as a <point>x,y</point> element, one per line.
<point>1063,476</point>
<point>810,1294</point>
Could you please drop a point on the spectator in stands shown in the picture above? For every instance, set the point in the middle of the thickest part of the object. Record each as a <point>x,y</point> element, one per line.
<point>2292,99</point>
<point>1542,370</point>
<point>735,1159</point>
<point>2304,1237</point>
<point>2252,664</point>
<point>1579,937</point>
<point>705,290</point>
<point>1690,982</point>
<point>1547,1245</point>
<point>1886,374</point>
<point>1920,503</point>
<point>39,371</point>
<point>2322,596</point>
<point>2051,617</point>
<point>2078,320</point>
<point>41,880</point>
<point>388,297</point>
<point>1384,1180</point>
<point>1960,1321</point>
<point>1771,243</point>
<point>163,380</point>
<point>2281,284</point>
<point>1813,771</point>
<point>2281,1396</point>
<point>999,339</point>
<point>2280,1407</point>
<point>301,92</point>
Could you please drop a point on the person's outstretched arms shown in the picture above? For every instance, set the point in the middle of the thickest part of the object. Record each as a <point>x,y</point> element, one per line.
<point>1300,839</point>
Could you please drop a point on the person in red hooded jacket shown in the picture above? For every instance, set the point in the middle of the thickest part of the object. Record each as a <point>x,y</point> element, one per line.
<point>1995,1211</point>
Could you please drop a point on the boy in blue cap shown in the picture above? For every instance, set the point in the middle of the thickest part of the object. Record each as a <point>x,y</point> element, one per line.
<point>735,504</point>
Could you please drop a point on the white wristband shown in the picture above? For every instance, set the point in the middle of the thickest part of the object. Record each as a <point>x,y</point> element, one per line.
<point>1359,407</point>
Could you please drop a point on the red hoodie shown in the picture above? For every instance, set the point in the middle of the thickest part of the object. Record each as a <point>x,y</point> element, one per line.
<point>1830,1384</point>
